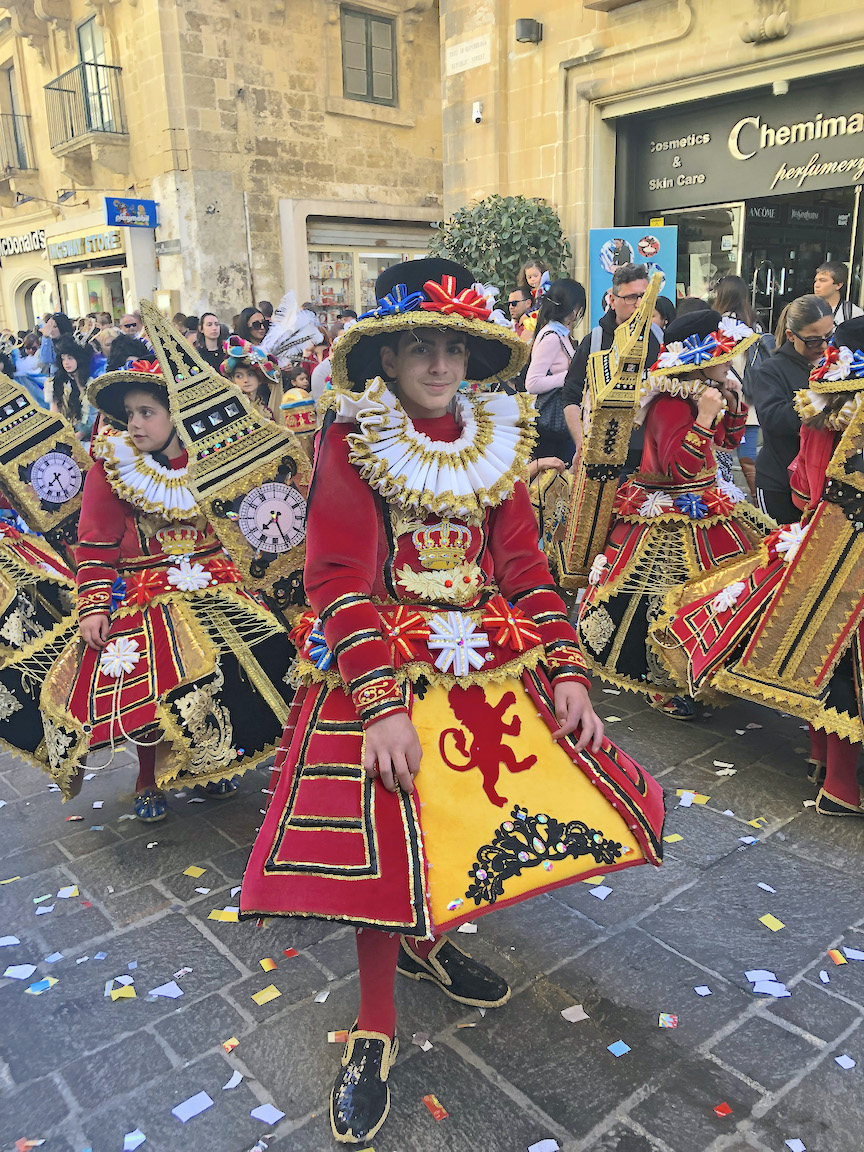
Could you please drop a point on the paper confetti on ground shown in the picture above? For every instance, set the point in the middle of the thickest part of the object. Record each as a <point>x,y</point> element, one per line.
<point>44,909</point>
<point>338,1037</point>
<point>702,990</point>
<point>54,957</point>
<point>289,952</point>
<point>759,974</point>
<point>759,822</point>
<point>41,986</point>
<point>435,1107</point>
<point>853,954</point>
<point>124,992</point>
<point>20,971</point>
<point>133,1140</point>
<point>421,1041</point>
<point>688,796</point>
<point>771,988</point>
<point>766,887</point>
<point>575,1013</point>
<point>194,871</point>
<point>10,880</point>
<point>601,891</point>
<point>619,1048</point>
<point>7,941</point>
<point>266,994</point>
<point>837,957</point>
<point>594,880</point>
<point>673,838</point>
<point>171,990</point>
<point>611,719</point>
<point>194,1106</point>
<point>723,1109</point>
<point>322,996</point>
<point>748,839</point>
<point>795,1146</point>
<point>468,928</point>
<point>236,1077</point>
<point>98,803</point>
<point>230,1044</point>
<point>667,1020</point>
<point>771,922</point>
<point>824,977</point>
<point>268,1113</point>
<point>75,818</point>
<point>545,1146</point>
<point>202,891</point>
<point>726,772</point>
<point>226,915</point>
<point>268,964</point>
<point>844,1061</point>
<point>723,764</point>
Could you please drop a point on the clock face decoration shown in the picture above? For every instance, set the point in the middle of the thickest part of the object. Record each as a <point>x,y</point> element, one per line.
<point>272,517</point>
<point>55,477</point>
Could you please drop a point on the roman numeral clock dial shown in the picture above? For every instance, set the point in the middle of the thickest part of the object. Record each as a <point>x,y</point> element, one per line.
<point>272,517</point>
<point>55,478</point>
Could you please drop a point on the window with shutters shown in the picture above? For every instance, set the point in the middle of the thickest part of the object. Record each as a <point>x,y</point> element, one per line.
<point>368,57</point>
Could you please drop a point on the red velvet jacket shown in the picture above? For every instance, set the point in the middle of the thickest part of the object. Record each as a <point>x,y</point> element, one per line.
<point>677,447</point>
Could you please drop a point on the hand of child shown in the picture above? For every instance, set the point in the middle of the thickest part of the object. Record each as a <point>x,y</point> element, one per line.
<point>709,407</point>
<point>94,630</point>
<point>573,709</point>
<point>393,752</point>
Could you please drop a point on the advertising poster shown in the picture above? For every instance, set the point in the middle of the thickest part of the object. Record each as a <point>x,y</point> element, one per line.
<point>610,247</point>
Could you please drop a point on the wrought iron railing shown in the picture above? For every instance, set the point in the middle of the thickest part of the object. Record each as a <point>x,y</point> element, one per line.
<point>16,148</point>
<point>85,99</point>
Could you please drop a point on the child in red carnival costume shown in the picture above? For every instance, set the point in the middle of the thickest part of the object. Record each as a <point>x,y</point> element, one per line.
<point>435,632</point>
<point>715,628</point>
<point>674,517</point>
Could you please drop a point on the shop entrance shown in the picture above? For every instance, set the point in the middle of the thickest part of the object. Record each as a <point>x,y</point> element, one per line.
<point>33,299</point>
<point>92,291</point>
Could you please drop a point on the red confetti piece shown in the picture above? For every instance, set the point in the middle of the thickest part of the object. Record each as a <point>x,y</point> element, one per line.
<point>289,952</point>
<point>723,1109</point>
<point>435,1106</point>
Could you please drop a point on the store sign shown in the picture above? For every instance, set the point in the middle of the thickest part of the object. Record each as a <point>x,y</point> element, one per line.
<point>83,246</point>
<point>757,145</point>
<point>467,55</point>
<point>22,242</point>
<point>130,213</point>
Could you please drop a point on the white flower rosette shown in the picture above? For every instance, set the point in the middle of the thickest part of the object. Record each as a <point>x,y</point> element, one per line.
<point>119,656</point>
<point>655,504</point>
<point>734,328</point>
<point>670,357</point>
<point>728,597</point>
<point>187,577</point>
<point>598,568</point>
<point>789,541</point>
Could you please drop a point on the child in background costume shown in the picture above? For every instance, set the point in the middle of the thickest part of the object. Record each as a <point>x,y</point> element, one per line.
<point>173,643</point>
<point>674,518</point>
<point>435,631</point>
<point>254,372</point>
<point>716,626</point>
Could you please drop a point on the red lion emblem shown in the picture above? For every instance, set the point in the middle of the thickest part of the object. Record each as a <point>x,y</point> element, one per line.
<point>488,727</point>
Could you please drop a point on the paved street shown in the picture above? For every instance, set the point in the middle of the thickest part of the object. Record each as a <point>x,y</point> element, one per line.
<point>81,1070</point>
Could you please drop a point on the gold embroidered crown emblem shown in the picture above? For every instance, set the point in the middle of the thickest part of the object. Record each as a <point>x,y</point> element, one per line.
<point>177,541</point>
<point>441,546</point>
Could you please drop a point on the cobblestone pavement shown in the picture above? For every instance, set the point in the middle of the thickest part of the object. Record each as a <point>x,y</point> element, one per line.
<point>80,1070</point>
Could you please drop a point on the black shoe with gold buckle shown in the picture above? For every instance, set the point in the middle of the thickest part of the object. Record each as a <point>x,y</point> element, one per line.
<point>828,805</point>
<point>360,1099</point>
<point>457,975</point>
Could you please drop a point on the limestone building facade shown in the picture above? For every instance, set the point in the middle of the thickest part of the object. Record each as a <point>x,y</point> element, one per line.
<point>296,144</point>
<point>738,123</point>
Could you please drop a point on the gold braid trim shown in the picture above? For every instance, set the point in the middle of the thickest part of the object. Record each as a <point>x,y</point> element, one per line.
<point>812,710</point>
<point>22,572</point>
<point>811,406</point>
<point>415,670</point>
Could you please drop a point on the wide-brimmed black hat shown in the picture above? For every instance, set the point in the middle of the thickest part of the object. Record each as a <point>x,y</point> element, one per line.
<point>841,368</point>
<point>429,293</point>
<point>698,339</point>
<point>108,392</point>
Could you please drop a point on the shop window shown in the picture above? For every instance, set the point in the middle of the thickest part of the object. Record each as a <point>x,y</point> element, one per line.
<point>368,57</point>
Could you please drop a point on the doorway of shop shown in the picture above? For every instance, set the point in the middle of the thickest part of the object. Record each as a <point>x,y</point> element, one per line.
<point>33,299</point>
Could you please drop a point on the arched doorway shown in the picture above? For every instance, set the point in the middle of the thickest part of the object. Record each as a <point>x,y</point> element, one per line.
<point>33,298</point>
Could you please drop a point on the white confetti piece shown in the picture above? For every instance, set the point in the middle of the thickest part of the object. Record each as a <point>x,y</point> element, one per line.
<point>194,1106</point>
<point>765,887</point>
<point>202,891</point>
<point>686,799</point>
<point>809,803</point>
<point>726,772</point>
<point>44,909</point>
<point>469,929</point>
<point>20,971</point>
<point>601,891</point>
<point>759,974</point>
<point>702,990</point>
<point>133,1140</point>
<point>771,988</point>
<point>236,1077</point>
<point>753,727</point>
<point>268,1113</point>
<point>322,996</point>
<point>844,1061</point>
<point>196,800</point>
<point>98,803</point>
<point>824,977</point>
<point>235,890</point>
<point>8,941</point>
<point>545,1146</point>
<point>795,1145</point>
<point>171,990</point>
<point>575,1013</point>
<point>723,764</point>
<point>748,839</point>
<point>54,957</point>
<point>853,954</point>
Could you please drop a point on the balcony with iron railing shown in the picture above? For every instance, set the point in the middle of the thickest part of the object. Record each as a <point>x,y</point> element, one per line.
<point>84,103</point>
<point>16,147</point>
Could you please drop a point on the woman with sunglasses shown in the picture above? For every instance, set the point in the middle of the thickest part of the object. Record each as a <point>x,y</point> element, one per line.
<point>803,333</point>
<point>251,325</point>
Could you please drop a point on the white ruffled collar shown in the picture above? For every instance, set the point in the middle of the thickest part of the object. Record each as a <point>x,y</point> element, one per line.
<point>136,477</point>
<point>460,479</point>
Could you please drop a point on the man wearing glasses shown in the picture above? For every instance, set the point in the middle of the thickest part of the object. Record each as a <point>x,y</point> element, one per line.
<point>130,324</point>
<point>629,285</point>
<point>519,305</point>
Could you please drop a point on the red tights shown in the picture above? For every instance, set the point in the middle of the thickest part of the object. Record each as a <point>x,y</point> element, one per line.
<point>377,953</point>
<point>146,767</point>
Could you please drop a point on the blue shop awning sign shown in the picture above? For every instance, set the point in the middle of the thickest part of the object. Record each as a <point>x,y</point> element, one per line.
<point>124,213</point>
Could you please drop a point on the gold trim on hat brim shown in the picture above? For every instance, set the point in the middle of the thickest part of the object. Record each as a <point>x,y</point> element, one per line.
<point>681,369</point>
<point>404,322</point>
<point>832,387</point>
<point>110,380</point>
